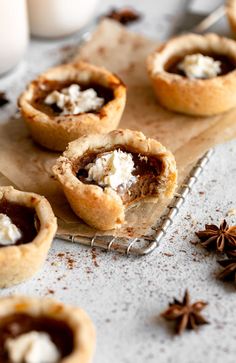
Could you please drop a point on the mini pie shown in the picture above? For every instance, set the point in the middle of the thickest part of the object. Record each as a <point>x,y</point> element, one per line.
<point>136,168</point>
<point>231,13</point>
<point>53,129</point>
<point>69,329</point>
<point>32,216</point>
<point>195,96</point>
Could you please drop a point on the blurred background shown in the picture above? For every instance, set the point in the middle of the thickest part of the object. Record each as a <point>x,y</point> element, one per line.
<point>52,23</point>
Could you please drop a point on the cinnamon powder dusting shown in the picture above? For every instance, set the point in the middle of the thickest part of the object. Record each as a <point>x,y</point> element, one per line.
<point>94,257</point>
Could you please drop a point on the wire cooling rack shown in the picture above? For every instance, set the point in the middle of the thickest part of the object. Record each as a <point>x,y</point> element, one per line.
<point>148,243</point>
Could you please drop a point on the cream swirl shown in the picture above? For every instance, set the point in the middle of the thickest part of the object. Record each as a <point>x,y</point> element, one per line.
<point>112,169</point>
<point>9,232</point>
<point>73,101</point>
<point>200,66</point>
<point>32,347</point>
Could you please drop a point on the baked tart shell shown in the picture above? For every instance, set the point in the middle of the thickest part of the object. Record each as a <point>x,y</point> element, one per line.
<point>199,97</point>
<point>104,208</point>
<point>20,262</point>
<point>56,131</point>
<point>77,320</point>
<point>231,14</point>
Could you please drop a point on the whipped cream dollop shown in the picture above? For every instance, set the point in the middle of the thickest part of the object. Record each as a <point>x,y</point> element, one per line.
<point>72,100</point>
<point>200,66</point>
<point>32,347</point>
<point>9,232</point>
<point>112,169</point>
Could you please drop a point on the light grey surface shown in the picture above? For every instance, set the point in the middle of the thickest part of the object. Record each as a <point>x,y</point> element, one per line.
<point>124,296</point>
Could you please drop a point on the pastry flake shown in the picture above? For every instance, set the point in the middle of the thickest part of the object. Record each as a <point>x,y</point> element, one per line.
<point>102,175</point>
<point>72,100</point>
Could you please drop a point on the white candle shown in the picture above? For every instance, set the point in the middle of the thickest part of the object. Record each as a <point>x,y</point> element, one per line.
<point>56,18</point>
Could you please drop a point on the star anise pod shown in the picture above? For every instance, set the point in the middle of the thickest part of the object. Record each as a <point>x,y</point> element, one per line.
<point>231,253</point>
<point>186,315</point>
<point>222,238</point>
<point>124,15</point>
<point>229,271</point>
<point>3,99</point>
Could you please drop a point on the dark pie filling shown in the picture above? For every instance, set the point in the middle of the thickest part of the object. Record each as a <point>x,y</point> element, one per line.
<point>227,64</point>
<point>23,217</point>
<point>147,171</point>
<point>53,110</point>
<point>17,324</point>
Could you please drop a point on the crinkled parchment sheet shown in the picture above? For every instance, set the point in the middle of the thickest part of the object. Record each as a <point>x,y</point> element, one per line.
<point>28,166</point>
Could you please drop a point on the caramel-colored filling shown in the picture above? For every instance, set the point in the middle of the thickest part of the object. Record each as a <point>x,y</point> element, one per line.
<point>43,90</point>
<point>147,172</point>
<point>14,325</point>
<point>227,64</point>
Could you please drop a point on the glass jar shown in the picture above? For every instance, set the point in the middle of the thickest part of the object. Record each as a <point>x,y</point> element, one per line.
<point>14,33</point>
<point>57,18</point>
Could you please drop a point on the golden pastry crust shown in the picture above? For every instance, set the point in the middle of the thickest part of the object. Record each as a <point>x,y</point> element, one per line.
<point>231,14</point>
<point>103,208</point>
<point>203,97</point>
<point>77,320</point>
<point>20,262</point>
<point>56,131</point>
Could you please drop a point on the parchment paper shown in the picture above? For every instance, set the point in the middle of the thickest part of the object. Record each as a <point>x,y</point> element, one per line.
<point>28,166</point>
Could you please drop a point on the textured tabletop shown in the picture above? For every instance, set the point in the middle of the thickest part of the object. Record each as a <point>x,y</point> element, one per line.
<point>125,295</point>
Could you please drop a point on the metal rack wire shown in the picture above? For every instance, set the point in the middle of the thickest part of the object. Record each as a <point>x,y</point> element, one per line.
<point>146,244</point>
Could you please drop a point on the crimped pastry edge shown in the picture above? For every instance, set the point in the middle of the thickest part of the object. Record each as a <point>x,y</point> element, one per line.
<point>103,208</point>
<point>55,132</point>
<point>76,318</point>
<point>196,97</point>
<point>20,262</point>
